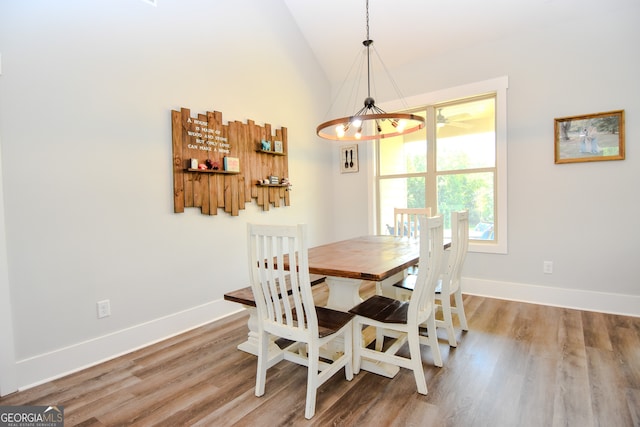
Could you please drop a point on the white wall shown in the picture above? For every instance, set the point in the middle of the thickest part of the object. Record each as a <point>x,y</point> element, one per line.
<point>85,97</point>
<point>580,216</point>
<point>8,378</point>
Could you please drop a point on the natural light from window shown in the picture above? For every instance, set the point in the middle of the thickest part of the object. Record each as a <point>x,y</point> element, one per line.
<point>450,165</point>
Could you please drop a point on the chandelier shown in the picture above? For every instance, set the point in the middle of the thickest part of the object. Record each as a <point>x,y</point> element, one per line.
<point>370,122</point>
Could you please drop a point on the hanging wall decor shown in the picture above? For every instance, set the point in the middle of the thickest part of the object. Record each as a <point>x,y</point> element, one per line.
<point>224,166</point>
<point>349,158</point>
<point>589,137</point>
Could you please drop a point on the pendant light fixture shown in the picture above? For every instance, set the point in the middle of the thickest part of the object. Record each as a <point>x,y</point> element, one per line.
<point>370,122</point>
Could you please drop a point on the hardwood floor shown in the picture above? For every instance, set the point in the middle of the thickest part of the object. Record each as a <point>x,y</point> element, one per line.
<point>519,365</point>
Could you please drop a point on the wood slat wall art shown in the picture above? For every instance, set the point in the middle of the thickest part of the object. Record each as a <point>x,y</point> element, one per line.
<point>205,137</point>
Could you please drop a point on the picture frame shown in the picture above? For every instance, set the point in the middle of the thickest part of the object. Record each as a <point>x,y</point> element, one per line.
<point>277,146</point>
<point>349,158</point>
<point>231,164</point>
<point>589,137</point>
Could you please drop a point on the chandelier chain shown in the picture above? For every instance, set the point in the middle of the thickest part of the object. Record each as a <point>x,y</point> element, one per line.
<point>367,20</point>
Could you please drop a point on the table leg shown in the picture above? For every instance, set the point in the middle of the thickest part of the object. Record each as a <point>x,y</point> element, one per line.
<point>386,287</point>
<point>251,344</point>
<point>344,293</point>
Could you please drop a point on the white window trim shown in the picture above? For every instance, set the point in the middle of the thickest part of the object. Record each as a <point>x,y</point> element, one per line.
<point>498,86</point>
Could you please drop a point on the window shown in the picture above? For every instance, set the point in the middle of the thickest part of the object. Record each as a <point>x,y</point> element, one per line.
<point>457,162</point>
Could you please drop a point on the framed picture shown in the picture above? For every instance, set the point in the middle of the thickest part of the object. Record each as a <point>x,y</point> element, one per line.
<point>231,164</point>
<point>590,137</point>
<point>349,158</point>
<point>277,146</point>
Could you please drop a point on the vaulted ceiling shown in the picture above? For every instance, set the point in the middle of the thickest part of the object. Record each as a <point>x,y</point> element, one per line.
<point>404,31</point>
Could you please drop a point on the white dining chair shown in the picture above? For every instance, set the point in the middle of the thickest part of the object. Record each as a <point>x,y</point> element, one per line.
<point>401,320</point>
<point>449,282</point>
<point>405,221</point>
<point>286,309</point>
<point>405,224</point>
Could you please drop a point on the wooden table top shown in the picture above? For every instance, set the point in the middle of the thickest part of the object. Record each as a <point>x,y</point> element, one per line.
<point>368,258</point>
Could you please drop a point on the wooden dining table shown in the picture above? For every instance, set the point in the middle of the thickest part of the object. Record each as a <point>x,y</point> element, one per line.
<point>348,263</point>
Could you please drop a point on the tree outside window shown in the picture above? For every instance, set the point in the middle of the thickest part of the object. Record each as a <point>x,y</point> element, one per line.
<point>457,171</point>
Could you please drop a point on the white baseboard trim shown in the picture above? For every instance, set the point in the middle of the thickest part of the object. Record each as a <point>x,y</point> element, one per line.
<point>58,363</point>
<point>55,364</point>
<point>627,305</point>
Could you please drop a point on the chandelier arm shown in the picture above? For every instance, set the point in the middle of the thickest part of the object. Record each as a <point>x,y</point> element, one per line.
<point>379,110</point>
<point>361,111</point>
<point>378,126</point>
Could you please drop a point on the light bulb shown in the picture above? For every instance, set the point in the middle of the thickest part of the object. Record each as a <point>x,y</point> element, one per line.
<point>357,123</point>
<point>401,125</point>
<point>359,133</point>
<point>340,131</point>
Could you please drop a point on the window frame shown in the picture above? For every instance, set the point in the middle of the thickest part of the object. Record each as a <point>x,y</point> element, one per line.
<point>497,87</point>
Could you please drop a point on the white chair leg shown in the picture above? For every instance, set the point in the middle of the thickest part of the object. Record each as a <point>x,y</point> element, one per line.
<point>448,320</point>
<point>416,361</point>
<point>460,310</point>
<point>263,362</point>
<point>379,339</point>
<point>432,340</point>
<point>312,383</point>
<point>357,346</point>
<point>348,349</point>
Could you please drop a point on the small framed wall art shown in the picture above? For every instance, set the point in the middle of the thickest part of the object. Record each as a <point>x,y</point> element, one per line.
<point>590,137</point>
<point>231,164</point>
<point>277,146</point>
<point>349,158</point>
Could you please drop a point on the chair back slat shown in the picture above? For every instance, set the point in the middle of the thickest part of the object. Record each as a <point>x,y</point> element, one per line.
<point>431,253</point>
<point>405,221</point>
<point>276,253</point>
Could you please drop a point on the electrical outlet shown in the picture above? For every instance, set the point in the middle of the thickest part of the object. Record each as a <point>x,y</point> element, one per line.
<point>547,267</point>
<point>104,308</point>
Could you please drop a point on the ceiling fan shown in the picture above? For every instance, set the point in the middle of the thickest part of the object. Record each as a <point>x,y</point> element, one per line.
<point>456,120</point>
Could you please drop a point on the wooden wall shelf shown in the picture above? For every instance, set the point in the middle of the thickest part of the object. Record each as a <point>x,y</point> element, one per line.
<point>275,153</point>
<point>206,137</point>
<point>211,171</point>
<point>272,185</point>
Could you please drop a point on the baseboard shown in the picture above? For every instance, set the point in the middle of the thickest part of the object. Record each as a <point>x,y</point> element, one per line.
<point>55,364</point>
<point>627,305</point>
<point>49,366</point>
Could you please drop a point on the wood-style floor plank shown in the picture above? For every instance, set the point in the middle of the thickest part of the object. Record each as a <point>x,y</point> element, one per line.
<point>519,364</point>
